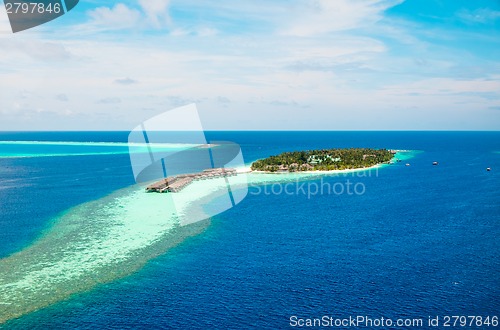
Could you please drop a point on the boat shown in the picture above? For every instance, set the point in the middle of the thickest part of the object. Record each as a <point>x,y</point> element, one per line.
<point>407,164</point>
<point>488,169</point>
<point>435,163</point>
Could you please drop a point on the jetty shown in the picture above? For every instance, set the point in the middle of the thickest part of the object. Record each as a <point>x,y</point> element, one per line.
<point>178,182</point>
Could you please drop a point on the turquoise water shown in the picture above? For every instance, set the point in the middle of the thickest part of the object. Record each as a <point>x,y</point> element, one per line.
<point>19,149</point>
<point>419,240</point>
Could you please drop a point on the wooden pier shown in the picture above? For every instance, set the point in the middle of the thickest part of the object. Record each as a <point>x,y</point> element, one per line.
<point>179,182</point>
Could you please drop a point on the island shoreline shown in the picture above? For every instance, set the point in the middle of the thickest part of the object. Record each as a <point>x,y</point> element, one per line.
<point>321,172</point>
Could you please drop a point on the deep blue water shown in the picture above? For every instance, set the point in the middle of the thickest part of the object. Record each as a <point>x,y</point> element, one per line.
<point>421,241</point>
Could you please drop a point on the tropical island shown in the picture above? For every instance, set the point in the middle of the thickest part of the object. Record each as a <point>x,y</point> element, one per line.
<point>295,161</point>
<point>324,160</point>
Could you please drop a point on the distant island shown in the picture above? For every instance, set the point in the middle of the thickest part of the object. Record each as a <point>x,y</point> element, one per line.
<point>324,160</point>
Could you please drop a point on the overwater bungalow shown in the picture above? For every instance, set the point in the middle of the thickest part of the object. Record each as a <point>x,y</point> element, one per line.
<point>179,182</point>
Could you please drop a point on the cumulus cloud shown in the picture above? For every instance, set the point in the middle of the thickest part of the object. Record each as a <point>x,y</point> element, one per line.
<point>118,17</point>
<point>148,13</point>
<point>156,11</point>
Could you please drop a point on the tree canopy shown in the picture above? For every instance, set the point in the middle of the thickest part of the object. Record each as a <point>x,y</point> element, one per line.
<point>323,160</point>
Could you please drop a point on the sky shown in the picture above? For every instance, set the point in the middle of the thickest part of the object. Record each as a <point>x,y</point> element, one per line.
<point>257,65</point>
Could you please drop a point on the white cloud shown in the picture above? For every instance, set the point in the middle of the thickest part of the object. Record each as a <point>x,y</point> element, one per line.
<point>156,11</point>
<point>448,86</point>
<point>481,15</point>
<point>197,31</point>
<point>331,77</point>
<point>149,13</point>
<point>4,21</point>
<point>47,51</point>
<point>207,32</point>
<point>324,16</point>
<point>118,17</point>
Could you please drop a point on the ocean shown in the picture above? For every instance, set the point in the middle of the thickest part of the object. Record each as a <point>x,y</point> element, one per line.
<point>81,248</point>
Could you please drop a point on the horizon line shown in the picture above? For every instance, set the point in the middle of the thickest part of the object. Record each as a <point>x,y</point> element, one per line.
<point>267,130</point>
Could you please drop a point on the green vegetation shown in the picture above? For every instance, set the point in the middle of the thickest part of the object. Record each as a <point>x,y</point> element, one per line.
<point>323,160</point>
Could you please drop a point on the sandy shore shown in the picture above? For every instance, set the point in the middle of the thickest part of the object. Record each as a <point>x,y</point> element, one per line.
<point>249,170</point>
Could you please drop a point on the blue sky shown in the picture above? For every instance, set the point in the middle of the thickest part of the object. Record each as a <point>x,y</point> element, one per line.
<point>296,64</point>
